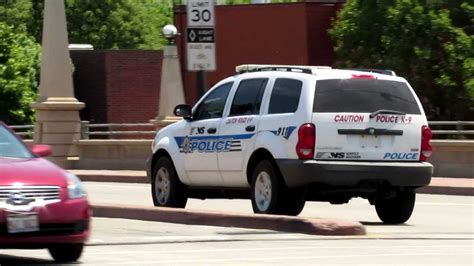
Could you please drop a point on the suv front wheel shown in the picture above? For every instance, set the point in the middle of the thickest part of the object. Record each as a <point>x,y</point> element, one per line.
<point>398,209</point>
<point>167,190</point>
<point>271,196</point>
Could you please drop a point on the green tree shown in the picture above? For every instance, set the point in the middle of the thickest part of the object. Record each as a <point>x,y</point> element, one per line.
<point>19,65</point>
<point>106,24</point>
<point>157,13</point>
<point>418,41</point>
<point>15,13</point>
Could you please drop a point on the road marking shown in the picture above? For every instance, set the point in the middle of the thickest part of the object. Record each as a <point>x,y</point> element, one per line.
<point>285,258</point>
<point>136,240</point>
<point>445,204</point>
<point>89,252</point>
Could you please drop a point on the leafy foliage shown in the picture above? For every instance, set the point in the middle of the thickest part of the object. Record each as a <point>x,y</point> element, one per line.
<point>114,24</point>
<point>418,40</point>
<point>19,66</point>
<point>106,24</point>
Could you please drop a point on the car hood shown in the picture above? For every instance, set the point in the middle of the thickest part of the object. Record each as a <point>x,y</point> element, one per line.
<point>32,171</point>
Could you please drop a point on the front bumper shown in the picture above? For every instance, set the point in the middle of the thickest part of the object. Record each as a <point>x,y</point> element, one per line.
<point>63,222</point>
<point>410,174</point>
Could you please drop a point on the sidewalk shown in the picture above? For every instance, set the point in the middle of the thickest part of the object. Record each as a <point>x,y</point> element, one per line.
<point>438,185</point>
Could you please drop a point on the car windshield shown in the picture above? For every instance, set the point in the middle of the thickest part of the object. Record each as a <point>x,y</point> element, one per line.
<point>11,146</point>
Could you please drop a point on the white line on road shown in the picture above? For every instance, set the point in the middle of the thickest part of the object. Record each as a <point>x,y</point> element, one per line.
<point>365,247</point>
<point>197,261</point>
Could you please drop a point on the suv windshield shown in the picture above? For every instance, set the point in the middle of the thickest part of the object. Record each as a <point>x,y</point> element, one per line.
<point>11,146</point>
<point>363,96</point>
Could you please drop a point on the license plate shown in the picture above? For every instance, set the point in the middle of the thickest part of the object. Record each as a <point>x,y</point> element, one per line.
<point>370,142</point>
<point>22,222</point>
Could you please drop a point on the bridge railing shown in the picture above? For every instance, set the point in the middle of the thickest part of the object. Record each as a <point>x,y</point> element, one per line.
<point>24,131</point>
<point>440,130</point>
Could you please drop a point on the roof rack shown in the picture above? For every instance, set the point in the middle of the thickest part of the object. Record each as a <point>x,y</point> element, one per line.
<point>290,68</point>
<point>374,70</point>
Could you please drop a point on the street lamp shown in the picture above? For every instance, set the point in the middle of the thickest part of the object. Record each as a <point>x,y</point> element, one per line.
<point>170,32</point>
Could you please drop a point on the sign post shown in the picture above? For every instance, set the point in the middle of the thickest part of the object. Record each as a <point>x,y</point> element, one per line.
<point>200,36</point>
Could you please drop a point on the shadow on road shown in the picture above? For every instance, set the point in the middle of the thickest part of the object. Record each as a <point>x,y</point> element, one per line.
<point>16,260</point>
<point>382,224</point>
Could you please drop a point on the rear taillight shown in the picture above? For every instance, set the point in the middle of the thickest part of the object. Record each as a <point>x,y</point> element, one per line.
<point>426,149</point>
<point>306,141</point>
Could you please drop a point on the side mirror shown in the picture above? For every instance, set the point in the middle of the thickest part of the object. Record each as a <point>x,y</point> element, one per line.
<point>183,110</point>
<point>41,150</point>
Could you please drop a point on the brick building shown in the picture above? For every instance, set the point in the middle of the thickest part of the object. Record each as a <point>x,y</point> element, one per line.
<point>121,86</point>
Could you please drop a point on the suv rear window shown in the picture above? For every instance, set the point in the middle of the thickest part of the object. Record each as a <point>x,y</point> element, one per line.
<point>363,96</point>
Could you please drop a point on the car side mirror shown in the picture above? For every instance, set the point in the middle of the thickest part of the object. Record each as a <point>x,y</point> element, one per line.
<point>41,150</point>
<point>183,110</point>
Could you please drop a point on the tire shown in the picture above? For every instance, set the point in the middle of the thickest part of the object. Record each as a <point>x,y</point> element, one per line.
<point>398,209</point>
<point>270,195</point>
<point>294,201</point>
<point>166,188</point>
<point>66,252</point>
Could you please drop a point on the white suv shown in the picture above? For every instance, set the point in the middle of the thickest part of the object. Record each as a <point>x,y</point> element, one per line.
<point>282,135</point>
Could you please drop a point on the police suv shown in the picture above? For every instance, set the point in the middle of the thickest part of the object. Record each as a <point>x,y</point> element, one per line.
<point>282,135</point>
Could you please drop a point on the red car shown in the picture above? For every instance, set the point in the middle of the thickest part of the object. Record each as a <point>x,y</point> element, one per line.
<point>41,205</point>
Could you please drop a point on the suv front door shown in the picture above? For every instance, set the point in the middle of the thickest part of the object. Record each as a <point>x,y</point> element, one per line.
<point>199,144</point>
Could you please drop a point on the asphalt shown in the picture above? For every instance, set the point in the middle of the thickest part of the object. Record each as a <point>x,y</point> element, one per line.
<point>315,226</point>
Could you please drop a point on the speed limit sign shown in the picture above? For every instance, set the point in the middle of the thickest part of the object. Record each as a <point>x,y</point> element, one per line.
<point>200,13</point>
<point>201,48</point>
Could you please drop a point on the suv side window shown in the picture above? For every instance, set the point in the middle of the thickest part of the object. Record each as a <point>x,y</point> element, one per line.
<point>213,105</point>
<point>248,98</point>
<point>285,96</point>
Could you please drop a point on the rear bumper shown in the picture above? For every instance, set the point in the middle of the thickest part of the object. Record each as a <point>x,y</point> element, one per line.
<point>298,173</point>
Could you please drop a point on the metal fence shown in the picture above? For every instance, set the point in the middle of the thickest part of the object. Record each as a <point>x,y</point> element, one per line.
<point>440,129</point>
<point>25,131</point>
<point>136,130</point>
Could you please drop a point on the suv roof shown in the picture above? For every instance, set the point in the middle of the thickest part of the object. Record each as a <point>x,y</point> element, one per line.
<point>315,70</point>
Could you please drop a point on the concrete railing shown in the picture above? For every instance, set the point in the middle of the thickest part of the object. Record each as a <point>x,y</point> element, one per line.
<point>113,154</point>
<point>451,158</point>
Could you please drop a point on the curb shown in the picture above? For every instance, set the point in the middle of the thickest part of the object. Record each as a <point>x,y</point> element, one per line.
<point>445,190</point>
<point>312,226</point>
<point>114,178</point>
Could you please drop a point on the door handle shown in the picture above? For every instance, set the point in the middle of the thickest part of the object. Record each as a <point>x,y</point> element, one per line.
<point>212,130</point>
<point>250,128</point>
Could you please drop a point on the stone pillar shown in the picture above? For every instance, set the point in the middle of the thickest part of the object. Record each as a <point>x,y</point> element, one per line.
<point>57,110</point>
<point>171,87</point>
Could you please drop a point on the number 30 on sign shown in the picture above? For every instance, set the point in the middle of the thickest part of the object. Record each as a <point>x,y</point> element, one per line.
<point>200,13</point>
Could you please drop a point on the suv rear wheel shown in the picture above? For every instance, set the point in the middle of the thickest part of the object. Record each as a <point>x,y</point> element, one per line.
<point>270,195</point>
<point>398,209</point>
<point>167,190</point>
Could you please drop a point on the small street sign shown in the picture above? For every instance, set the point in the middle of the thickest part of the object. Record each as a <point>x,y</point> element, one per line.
<point>201,54</point>
<point>203,35</point>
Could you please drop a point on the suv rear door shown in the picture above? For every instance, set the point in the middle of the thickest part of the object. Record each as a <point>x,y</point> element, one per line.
<point>367,119</point>
<point>239,129</point>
